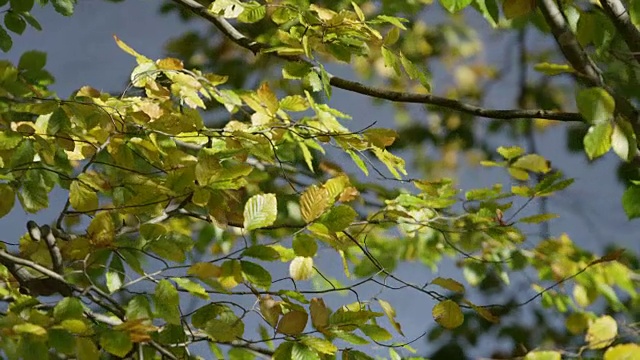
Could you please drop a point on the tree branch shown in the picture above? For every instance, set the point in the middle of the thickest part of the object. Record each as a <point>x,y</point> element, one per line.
<point>234,35</point>
<point>619,15</point>
<point>587,70</point>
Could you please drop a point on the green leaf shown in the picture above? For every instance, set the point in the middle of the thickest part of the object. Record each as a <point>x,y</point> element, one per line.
<point>192,287</point>
<point>32,60</point>
<point>256,274</point>
<point>262,252</point>
<point>34,195</point>
<point>539,218</point>
<point>117,343</point>
<point>532,162</point>
<point>597,142</point>
<point>595,105</point>
<point>339,218</point>
<point>449,284</point>
<point>301,268</point>
<point>302,352</point>
<point>14,22</point>
<point>602,332</point>
<point>631,201</point>
<point>8,197</point>
<point>68,308</point>
<point>86,349</point>
<point>9,139</point>
<point>252,13</point>
<point>350,338</point>
<point>454,6</point>
<point>515,8</point>
<point>283,352</point>
<point>489,10</point>
<point>322,346</point>
<point>64,7</point>
<point>447,313</point>
<point>32,21</point>
<point>510,152</point>
<point>376,333</point>
<point>391,60</point>
<point>5,43</point>
<point>553,69</point>
<point>21,5</point>
<point>82,198</point>
<point>260,211</point>
<point>304,245</point>
<point>166,300</point>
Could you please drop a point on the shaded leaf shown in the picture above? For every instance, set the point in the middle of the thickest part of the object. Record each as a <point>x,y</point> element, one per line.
<point>447,313</point>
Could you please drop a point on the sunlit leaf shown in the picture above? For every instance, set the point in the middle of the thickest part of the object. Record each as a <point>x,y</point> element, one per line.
<point>260,211</point>
<point>448,314</point>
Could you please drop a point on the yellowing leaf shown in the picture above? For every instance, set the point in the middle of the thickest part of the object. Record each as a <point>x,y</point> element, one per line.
<point>28,328</point>
<point>319,313</point>
<point>390,312</point>
<point>192,287</point>
<point>313,202</point>
<point>260,211</point>
<point>532,162</point>
<point>268,98</point>
<point>170,64</point>
<point>301,268</point>
<point>270,309</point>
<point>204,270</point>
<point>602,332</point>
<point>543,355</point>
<point>320,345</point>
<point>448,284</point>
<point>101,230</point>
<point>293,323</point>
<point>8,197</point>
<point>82,198</point>
<point>536,219</point>
<point>515,8</point>
<point>623,352</point>
<point>447,313</point>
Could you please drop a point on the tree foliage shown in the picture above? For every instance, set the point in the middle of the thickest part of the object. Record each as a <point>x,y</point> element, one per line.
<point>202,205</point>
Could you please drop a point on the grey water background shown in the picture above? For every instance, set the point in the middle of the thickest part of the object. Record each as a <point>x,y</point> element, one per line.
<point>81,51</point>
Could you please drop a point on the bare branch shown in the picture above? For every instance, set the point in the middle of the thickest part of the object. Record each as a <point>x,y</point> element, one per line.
<point>395,96</point>
<point>619,15</point>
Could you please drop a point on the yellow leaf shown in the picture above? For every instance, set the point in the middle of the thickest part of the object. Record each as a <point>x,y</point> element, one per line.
<point>449,284</point>
<point>602,332</point>
<point>268,98</point>
<point>170,64</point>
<point>313,203</point>
<point>515,8</point>
<point>139,58</point>
<point>293,323</point>
<point>448,314</point>
<point>204,270</point>
<point>391,315</point>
